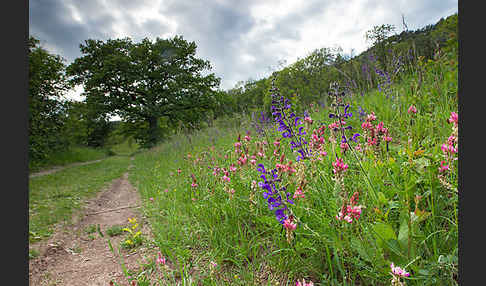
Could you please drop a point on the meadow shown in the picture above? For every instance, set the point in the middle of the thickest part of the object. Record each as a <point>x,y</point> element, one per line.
<point>361,190</point>
<point>359,187</point>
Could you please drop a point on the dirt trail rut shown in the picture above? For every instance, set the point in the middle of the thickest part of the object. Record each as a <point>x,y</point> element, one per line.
<point>71,257</point>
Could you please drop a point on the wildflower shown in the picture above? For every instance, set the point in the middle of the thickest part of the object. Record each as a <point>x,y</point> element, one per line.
<point>194,185</point>
<point>166,190</point>
<point>151,199</point>
<point>247,138</point>
<point>443,167</point>
<point>395,270</point>
<point>276,143</point>
<point>412,109</point>
<point>232,168</point>
<point>226,178</point>
<point>253,161</point>
<point>308,119</point>
<point>299,193</point>
<point>371,117</point>
<point>213,264</point>
<point>298,283</point>
<point>160,259</point>
<point>453,118</point>
<point>179,171</point>
<point>339,166</point>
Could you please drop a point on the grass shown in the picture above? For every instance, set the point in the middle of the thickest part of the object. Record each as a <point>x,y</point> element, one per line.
<point>409,217</point>
<point>72,155</point>
<point>219,233</point>
<point>54,197</point>
<point>114,230</point>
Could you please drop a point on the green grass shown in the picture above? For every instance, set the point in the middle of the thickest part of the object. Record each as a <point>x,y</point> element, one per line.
<point>72,155</point>
<point>54,197</point>
<point>114,230</point>
<point>409,218</point>
<point>126,148</point>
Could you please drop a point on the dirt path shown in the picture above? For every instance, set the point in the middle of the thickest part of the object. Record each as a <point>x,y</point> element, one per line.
<point>59,168</point>
<point>71,257</point>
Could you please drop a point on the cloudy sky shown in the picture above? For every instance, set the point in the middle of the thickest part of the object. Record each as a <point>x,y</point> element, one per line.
<point>242,39</point>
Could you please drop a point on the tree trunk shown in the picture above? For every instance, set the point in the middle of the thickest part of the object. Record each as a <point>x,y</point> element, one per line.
<point>153,135</point>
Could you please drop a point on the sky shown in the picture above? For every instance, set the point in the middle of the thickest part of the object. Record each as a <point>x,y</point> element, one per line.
<point>242,39</point>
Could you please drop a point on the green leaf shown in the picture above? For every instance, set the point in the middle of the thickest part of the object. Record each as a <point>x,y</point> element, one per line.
<point>403,234</point>
<point>358,247</point>
<point>383,232</point>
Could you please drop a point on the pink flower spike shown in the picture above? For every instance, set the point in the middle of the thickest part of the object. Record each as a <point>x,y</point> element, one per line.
<point>453,118</point>
<point>288,224</point>
<point>160,259</point>
<point>412,109</point>
<point>443,167</point>
<point>398,271</point>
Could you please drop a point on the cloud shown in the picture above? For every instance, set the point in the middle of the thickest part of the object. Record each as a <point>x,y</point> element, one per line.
<point>241,39</point>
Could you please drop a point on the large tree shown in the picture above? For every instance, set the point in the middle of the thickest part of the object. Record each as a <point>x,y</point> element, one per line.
<point>47,84</point>
<point>145,81</point>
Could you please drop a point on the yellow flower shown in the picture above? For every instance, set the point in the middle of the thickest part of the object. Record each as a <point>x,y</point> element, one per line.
<point>137,234</point>
<point>135,226</point>
<point>129,242</point>
<point>132,220</point>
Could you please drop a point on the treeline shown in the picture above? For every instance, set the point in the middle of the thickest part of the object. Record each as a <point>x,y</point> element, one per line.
<point>390,57</point>
<point>160,87</point>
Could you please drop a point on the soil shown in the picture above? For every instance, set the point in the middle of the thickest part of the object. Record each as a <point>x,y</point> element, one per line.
<point>71,256</point>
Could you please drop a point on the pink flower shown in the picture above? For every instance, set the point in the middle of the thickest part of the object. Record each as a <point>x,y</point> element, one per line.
<point>443,167</point>
<point>261,154</point>
<point>288,224</point>
<point>194,185</point>
<point>237,145</point>
<point>371,117</point>
<point>387,138</point>
<point>339,166</point>
<point>398,271</point>
<point>247,138</point>
<point>412,109</point>
<point>232,168</point>
<point>299,193</point>
<point>166,190</point>
<point>344,146</point>
<point>179,171</point>
<point>151,199</point>
<point>226,178</point>
<point>298,283</point>
<point>160,259</point>
<point>253,161</point>
<point>453,118</point>
<point>276,143</point>
<point>348,218</point>
<point>308,119</point>
<point>366,125</point>
<point>231,191</point>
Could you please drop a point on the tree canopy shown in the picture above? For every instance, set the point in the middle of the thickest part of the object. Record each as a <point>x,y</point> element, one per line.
<point>47,83</point>
<point>145,81</point>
